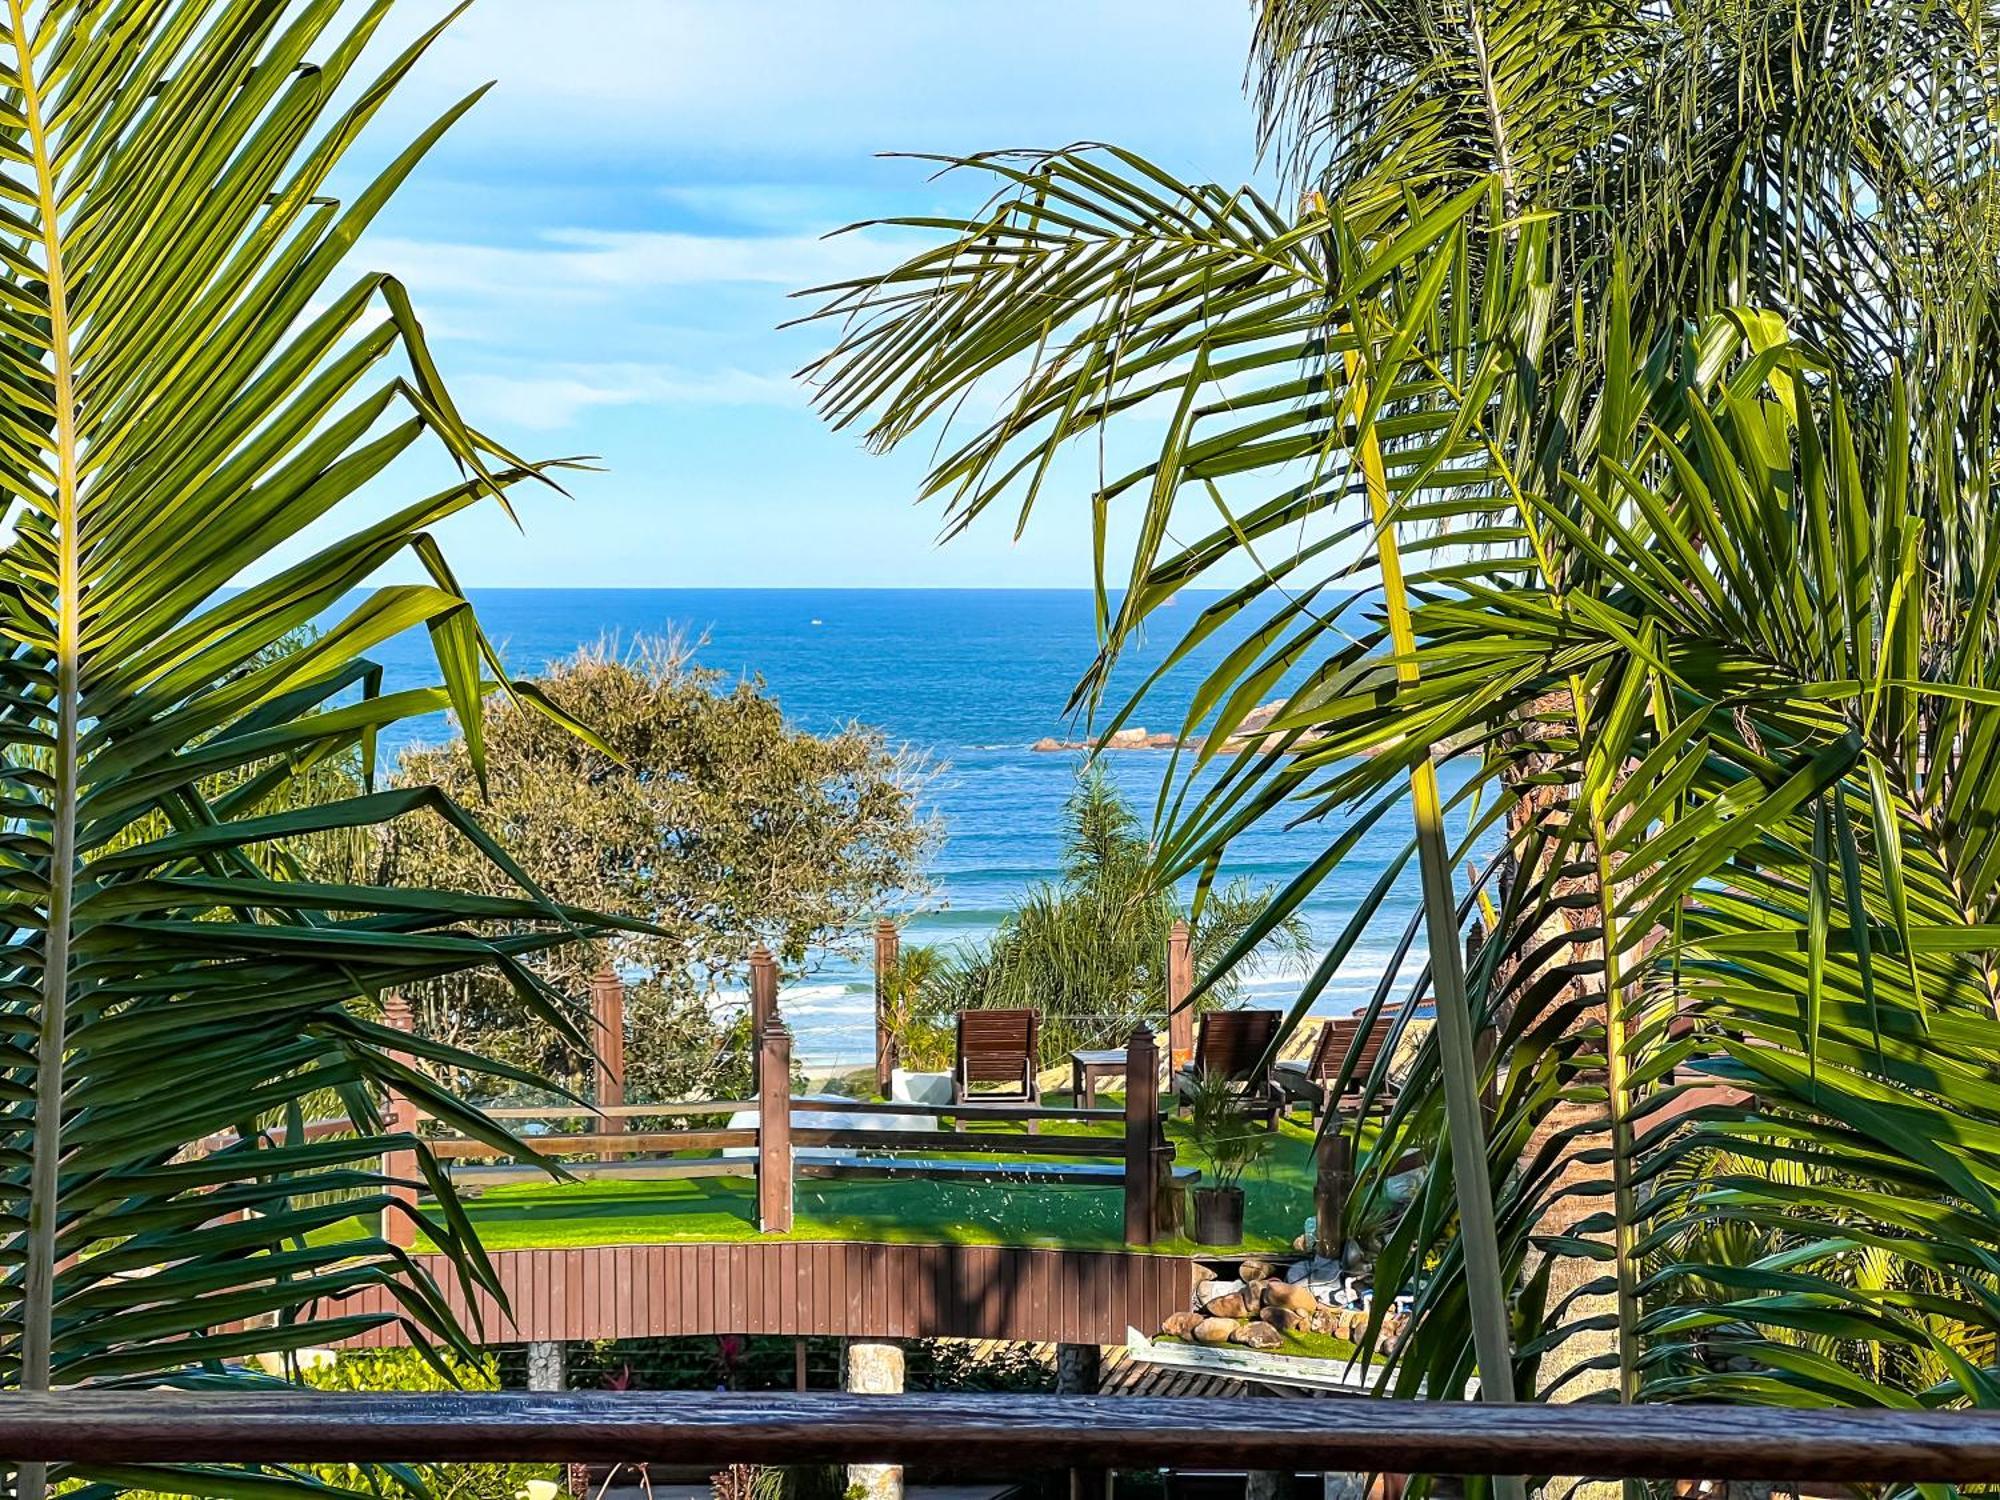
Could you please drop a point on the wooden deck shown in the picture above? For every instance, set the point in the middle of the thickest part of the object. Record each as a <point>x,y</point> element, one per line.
<point>869,1290</point>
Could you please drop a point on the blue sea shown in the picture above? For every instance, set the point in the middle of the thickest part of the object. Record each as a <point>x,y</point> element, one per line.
<point>973,677</point>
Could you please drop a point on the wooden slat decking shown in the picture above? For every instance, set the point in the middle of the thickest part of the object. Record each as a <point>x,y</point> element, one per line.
<point>789,1287</point>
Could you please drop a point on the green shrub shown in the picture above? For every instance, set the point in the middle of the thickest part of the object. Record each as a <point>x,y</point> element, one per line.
<point>406,1370</point>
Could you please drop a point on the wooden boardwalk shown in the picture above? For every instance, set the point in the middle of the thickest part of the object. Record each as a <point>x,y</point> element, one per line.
<point>786,1287</point>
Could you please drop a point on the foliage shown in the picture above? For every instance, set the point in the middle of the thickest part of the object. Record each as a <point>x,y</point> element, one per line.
<point>188,392</point>
<point>1089,953</point>
<point>1655,344</point>
<point>922,1027</point>
<point>769,1363</point>
<point>1223,1135</point>
<point>406,1370</point>
<point>699,810</point>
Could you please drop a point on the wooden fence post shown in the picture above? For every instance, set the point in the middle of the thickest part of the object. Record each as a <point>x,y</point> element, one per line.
<point>774,1128</point>
<point>763,990</point>
<point>399,1115</point>
<point>1180,984</point>
<point>1143,1136</point>
<point>1333,1184</point>
<point>607,1009</point>
<point>888,952</point>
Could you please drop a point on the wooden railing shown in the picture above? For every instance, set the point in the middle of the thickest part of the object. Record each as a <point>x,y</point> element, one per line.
<point>770,1150</point>
<point>1007,1434</point>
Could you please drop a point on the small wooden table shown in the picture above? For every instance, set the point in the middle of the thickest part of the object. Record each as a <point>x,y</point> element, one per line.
<point>1086,1067</point>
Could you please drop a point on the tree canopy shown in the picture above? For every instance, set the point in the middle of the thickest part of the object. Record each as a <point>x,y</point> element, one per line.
<point>694,808</point>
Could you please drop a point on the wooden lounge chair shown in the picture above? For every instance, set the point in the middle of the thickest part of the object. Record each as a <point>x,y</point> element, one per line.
<point>1236,1044</point>
<point>1312,1078</point>
<point>1000,1052</point>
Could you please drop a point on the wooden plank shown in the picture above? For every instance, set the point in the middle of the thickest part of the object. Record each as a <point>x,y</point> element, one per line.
<point>853,1257</point>
<point>784,1311</point>
<point>916,1291</point>
<point>701,1315</point>
<point>1108,1174</point>
<point>736,1262</point>
<point>664,1170</point>
<point>971,1109</point>
<point>460,1148</point>
<point>1004,1433</point>
<point>612,1268</point>
<point>851,1139</point>
<point>819,1313</point>
<point>619,1111</point>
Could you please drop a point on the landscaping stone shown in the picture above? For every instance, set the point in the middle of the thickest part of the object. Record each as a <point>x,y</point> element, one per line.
<point>1180,1325</point>
<point>1287,1321</point>
<point>1206,1292</point>
<point>1235,1305</point>
<point>1258,1336</point>
<point>1256,1270</point>
<point>1214,1330</point>
<point>1291,1296</point>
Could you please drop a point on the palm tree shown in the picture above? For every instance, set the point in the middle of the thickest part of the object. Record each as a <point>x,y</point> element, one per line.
<point>1585,319</point>
<point>1089,953</point>
<point>187,389</point>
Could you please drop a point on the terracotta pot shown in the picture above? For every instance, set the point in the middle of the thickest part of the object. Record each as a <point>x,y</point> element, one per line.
<point>1218,1216</point>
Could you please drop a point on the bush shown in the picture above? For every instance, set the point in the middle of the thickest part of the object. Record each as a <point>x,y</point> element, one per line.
<point>407,1370</point>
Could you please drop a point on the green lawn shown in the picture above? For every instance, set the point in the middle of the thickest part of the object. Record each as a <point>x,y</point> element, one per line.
<point>910,1211</point>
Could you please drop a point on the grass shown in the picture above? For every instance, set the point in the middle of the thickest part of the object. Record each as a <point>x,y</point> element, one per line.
<point>522,1216</point>
<point>1304,1345</point>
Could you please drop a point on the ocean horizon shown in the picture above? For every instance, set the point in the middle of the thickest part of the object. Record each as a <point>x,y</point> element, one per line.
<point>973,678</point>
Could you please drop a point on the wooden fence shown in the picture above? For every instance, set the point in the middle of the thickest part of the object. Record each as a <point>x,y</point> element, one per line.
<point>792,1287</point>
<point>777,1151</point>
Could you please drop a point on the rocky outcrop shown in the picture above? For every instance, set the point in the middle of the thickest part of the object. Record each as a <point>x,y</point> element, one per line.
<point>1124,739</point>
<point>1252,731</point>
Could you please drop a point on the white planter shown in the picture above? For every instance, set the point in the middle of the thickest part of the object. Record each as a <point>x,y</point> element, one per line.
<point>906,1087</point>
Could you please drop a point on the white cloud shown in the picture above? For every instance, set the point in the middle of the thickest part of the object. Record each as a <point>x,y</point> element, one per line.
<point>561,398</point>
<point>838,79</point>
<point>596,264</point>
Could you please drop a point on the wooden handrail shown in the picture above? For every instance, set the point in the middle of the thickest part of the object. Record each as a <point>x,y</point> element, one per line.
<point>956,1141</point>
<point>622,1111</point>
<point>971,1110</point>
<point>1005,1433</point>
<point>462,1148</point>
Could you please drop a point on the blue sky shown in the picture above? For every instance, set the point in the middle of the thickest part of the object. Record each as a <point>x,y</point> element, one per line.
<point>603,249</point>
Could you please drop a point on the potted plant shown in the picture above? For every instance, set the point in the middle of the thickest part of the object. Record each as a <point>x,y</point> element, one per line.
<point>1230,1142</point>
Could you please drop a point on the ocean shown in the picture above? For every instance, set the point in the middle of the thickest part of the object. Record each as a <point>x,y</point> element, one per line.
<point>975,678</point>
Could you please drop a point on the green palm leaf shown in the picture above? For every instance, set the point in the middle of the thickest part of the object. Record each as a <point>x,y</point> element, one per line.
<point>188,388</point>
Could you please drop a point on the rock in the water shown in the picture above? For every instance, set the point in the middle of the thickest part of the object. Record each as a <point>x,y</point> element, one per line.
<point>1180,1325</point>
<point>1293,1296</point>
<point>1206,1292</point>
<point>1256,1270</point>
<point>1127,739</point>
<point>1258,1336</point>
<point>1214,1330</point>
<point>1048,743</point>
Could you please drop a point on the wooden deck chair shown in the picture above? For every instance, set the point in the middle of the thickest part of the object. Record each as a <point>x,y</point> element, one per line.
<point>1235,1044</point>
<point>1313,1077</point>
<point>1000,1051</point>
